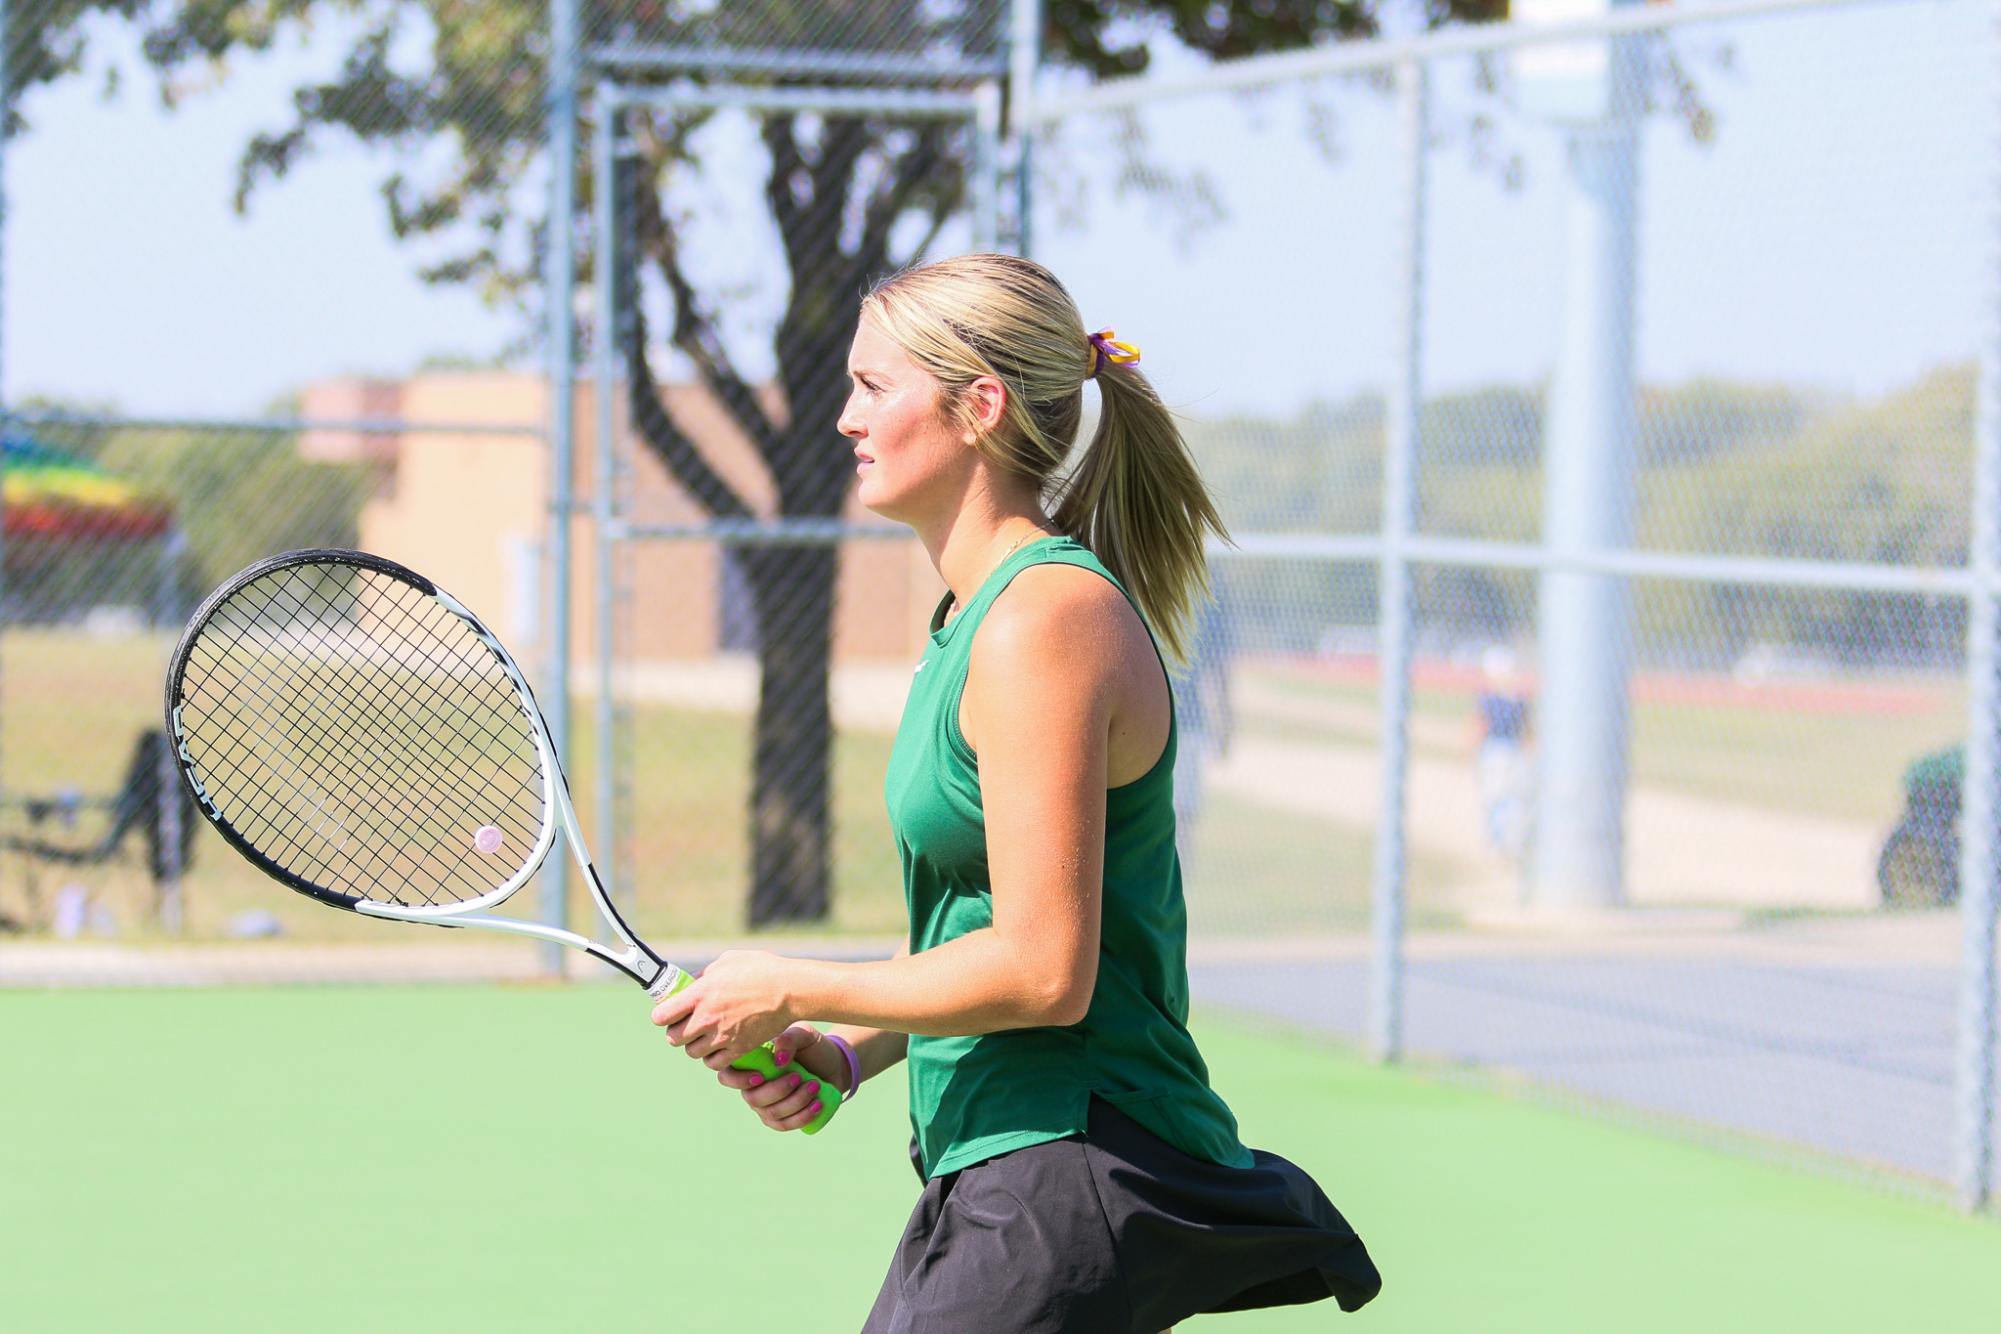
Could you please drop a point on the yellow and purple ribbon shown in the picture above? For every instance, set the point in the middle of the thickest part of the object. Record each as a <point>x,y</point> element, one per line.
<point>1105,346</point>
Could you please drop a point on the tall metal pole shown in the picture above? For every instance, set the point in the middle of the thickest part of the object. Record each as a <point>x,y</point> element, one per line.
<point>986,166</point>
<point>559,281</point>
<point>6,109</point>
<point>1386,971</point>
<point>1974,1103</point>
<point>1024,56</point>
<point>604,177</point>
<point>1586,629</point>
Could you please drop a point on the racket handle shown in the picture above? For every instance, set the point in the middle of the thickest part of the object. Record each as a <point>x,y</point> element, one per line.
<point>760,1062</point>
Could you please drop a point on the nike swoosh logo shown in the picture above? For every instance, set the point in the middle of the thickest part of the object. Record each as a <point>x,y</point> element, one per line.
<point>922,664</point>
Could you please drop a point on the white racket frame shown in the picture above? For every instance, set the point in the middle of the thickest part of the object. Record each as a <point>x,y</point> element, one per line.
<point>633,957</point>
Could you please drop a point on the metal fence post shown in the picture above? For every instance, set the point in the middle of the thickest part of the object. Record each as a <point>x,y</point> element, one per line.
<point>1386,972</point>
<point>1973,1139</point>
<point>604,177</point>
<point>6,107</point>
<point>559,281</point>
<point>985,192</point>
<point>1024,58</point>
<point>6,104</point>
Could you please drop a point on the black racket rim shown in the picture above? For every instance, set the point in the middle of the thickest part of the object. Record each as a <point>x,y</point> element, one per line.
<point>177,672</point>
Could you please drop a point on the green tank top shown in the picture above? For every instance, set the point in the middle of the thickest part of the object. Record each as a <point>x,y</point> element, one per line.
<point>974,1097</point>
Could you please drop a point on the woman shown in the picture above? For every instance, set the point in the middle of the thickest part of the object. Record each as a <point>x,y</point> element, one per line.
<point>1080,1173</point>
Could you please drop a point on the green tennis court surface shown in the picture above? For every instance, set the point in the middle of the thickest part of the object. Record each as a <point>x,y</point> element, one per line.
<point>525,1158</point>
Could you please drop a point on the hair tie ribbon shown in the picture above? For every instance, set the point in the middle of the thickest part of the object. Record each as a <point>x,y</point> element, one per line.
<point>1105,347</point>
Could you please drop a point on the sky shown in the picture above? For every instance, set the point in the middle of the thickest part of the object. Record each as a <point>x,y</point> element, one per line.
<point>1828,236</point>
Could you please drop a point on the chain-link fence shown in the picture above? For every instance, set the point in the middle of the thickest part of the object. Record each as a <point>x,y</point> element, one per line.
<point>1647,364</point>
<point>117,527</point>
<point>269,273</point>
<point>740,615</point>
<point>1596,421</point>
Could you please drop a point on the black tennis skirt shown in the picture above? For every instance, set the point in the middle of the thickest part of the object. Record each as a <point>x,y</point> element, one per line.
<point>1115,1232</point>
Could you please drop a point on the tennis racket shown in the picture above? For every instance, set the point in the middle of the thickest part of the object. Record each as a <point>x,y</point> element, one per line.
<point>359,735</point>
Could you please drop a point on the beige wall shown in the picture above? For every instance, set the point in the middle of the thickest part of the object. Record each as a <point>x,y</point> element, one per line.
<point>469,511</point>
<point>350,400</point>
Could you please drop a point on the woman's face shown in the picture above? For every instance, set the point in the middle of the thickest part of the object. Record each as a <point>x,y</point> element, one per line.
<point>912,459</point>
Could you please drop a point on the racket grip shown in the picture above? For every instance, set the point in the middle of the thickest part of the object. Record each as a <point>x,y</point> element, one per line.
<point>760,1062</point>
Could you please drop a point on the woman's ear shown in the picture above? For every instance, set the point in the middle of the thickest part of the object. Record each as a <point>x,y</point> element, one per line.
<point>986,403</point>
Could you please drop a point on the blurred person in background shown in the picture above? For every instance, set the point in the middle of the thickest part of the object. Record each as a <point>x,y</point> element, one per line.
<point>1203,717</point>
<point>1501,735</point>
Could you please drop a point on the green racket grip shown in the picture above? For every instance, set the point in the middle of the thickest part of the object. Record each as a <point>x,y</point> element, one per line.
<point>762,1062</point>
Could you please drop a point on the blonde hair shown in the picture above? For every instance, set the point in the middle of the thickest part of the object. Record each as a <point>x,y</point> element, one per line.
<point>1134,497</point>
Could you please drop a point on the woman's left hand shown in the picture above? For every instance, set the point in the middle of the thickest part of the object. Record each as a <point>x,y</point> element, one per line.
<point>736,1004</point>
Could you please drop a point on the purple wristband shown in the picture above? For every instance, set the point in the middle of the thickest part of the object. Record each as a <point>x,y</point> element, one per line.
<point>854,1066</point>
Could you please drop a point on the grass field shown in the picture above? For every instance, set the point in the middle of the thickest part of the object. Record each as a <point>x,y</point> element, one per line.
<point>536,1159</point>
<point>71,707</point>
<point>1733,748</point>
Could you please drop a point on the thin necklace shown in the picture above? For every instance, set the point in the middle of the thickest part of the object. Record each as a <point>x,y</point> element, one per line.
<point>1036,531</point>
<point>1033,532</point>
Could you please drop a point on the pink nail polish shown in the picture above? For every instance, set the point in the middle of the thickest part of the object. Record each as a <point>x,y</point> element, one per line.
<point>755,1080</point>
<point>813,1087</point>
<point>795,1079</point>
<point>782,1057</point>
<point>815,1109</point>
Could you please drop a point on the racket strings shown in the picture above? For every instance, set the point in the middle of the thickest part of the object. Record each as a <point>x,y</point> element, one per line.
<point>281,825</point>
<point>285,825</point>
<point>362,725</point>
<point>423,625</point>
<point>297,814</point>
<point>364,738</point>
<point>306,742</point>
<point>361,739</point>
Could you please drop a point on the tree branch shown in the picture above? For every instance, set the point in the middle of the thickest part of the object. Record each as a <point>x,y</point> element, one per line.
<point>907,175</point>
<point>802,223</point>
<point>656,426</point>
<point>694,332</point>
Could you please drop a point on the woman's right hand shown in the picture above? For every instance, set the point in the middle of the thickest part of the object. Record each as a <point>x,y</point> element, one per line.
<point>792,1100</point>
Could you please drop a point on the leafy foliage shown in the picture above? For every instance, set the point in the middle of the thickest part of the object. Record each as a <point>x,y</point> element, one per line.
<point>1760,471</point>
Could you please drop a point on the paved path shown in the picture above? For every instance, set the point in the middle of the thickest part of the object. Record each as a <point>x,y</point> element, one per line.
<point>1680,848</point>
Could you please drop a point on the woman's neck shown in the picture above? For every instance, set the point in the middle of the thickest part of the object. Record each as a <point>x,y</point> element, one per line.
<point>975,543</point>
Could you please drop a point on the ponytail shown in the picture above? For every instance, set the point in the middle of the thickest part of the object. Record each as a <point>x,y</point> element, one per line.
<point>1137,501</point>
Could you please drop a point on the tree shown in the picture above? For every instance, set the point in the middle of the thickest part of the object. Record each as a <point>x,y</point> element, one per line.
<point>843,193</point>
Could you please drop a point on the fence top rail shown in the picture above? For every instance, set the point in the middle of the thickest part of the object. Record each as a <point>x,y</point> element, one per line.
<point>1248,73</point>
<point>641,59</point>
<point>771,532</point>
<point>1364,548</point>
<point>264,425</point>
<point>759,97</point>
<point>1850,576</point>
